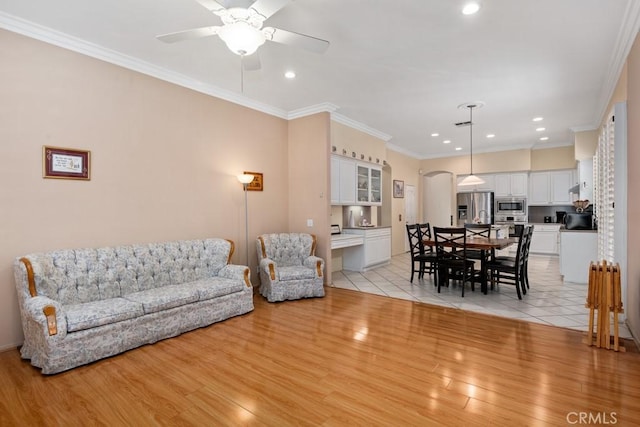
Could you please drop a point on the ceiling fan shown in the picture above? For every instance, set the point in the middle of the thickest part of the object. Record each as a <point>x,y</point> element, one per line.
<point>243,30</point>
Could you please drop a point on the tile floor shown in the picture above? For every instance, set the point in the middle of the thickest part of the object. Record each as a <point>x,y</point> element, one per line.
<point>548,301</point>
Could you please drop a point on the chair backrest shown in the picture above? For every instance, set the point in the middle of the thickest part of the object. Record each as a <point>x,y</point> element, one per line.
<point>413,234</point>
<point>524,238</point>
<point>478,230</point>
<point>450,242</point>
<point>286,249</point>
<point>425,234</point>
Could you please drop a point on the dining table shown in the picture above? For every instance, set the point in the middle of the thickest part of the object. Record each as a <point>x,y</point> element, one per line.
<point>483,244</point>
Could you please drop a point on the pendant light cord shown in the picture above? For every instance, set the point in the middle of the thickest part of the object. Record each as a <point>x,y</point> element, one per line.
<point>471,136</point>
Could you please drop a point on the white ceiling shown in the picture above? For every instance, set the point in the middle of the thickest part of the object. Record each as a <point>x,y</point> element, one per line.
<point>397,68</point>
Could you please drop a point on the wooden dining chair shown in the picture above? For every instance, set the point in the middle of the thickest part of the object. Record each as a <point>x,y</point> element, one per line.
<point>510,271</point>
<point>419,257</point>
<point>452,261</point>
<point>478,230</point>
<point>428,251</point>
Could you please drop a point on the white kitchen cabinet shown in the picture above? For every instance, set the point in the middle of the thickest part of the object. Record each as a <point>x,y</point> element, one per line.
<point>545,239</point>
<point>577,249</point>
<point>550,187</point>
<point>343,181</point>
<point>376,250</point>
<point>585,175</point>
<point>511,184</point>
<point>369,185</point>
<point>561,182</point>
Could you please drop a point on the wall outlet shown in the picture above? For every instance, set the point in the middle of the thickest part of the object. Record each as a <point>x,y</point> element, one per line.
<point>309,223</point>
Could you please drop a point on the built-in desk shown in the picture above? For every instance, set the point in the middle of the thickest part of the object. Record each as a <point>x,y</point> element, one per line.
<point>339,241</point>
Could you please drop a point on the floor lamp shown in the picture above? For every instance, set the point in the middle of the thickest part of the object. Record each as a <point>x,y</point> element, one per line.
<point>245,179</point>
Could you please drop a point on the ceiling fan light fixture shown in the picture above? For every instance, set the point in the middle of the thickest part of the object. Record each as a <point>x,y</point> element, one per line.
<point>242,38</point>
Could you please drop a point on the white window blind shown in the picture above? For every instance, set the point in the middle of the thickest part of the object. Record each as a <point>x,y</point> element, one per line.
<point>604,191</point>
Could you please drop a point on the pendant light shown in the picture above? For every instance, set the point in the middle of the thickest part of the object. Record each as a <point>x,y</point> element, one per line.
<point>471,179</point>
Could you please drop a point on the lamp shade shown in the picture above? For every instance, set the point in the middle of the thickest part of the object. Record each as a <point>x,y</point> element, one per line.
<point>245,178</point>
<point>242,38</point>
<point>471,180</point>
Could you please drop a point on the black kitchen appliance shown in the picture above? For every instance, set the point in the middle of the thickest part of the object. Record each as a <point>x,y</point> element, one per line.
<point>547,219</point>
<point>560,215</point>
<point>578,221</point>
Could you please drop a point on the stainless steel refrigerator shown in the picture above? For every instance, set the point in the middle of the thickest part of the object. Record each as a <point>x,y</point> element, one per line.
<point>475,207</point>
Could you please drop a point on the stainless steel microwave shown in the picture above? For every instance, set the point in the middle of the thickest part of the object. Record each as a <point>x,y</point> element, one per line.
<point>510,206</point>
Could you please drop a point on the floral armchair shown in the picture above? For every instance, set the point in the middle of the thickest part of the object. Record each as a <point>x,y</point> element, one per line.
<point>288,266</point>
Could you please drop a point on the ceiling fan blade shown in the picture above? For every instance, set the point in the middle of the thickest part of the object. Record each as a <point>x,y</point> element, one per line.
<point>194,33</point>
<point>251,62</point>
<point>303,41</point>
<point>267,8</point>
<point>211,5</point>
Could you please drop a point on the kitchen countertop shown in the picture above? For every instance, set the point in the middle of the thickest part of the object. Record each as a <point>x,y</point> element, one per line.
<point>564,230</point>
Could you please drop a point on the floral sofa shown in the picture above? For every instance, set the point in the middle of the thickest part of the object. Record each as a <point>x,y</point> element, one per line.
<point>81,305</point>
<point>288,266</point>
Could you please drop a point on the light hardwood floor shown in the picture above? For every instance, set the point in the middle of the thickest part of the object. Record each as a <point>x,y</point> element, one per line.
<point>350,358</point>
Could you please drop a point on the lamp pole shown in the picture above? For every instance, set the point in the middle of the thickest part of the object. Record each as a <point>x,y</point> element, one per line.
<point>246,179</point>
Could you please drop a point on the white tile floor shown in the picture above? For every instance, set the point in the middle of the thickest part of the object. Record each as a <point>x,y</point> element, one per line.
<point>548,301</point>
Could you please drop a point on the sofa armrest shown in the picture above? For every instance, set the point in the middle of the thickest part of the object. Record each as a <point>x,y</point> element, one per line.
<point>315,263</point>
<point>47,313</point>
<point>236,272</point>
<point>269,267</point>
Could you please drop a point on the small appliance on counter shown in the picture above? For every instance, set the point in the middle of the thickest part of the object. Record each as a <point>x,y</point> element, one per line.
<point>578,221</point>
<point>547,220</point>
<point>560,216</point>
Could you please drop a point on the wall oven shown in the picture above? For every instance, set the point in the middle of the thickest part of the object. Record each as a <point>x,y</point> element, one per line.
<point>511,206</point>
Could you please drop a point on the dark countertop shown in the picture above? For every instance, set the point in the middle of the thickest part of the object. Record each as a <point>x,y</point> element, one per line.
<point>366,228</point>
<point>564,230</point>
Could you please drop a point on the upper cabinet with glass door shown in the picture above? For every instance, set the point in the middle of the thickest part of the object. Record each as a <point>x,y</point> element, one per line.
<point>369,180</point>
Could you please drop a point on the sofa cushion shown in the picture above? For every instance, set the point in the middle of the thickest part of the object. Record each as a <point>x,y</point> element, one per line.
<point>295,273</point>
<point>97,313</point>
<point>163,298</point>
<point>215,287</point>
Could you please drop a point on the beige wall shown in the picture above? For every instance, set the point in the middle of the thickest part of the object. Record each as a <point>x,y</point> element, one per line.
<point>633,189</point>
<point>309,181</point>
<point>553,158</point>
<point>348,140</point>
<point>164,162</point>
<point>403,168</point>
<point>502,161</point>
<point>585,144</point>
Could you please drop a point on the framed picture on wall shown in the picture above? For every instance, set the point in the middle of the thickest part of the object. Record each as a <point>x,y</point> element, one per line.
<point>66,163</point>
<point>398,188</point>
<point>256,184</point>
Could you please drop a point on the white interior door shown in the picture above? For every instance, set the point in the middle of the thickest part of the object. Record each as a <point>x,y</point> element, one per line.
<point>437,200</point>
<point>410,208</point>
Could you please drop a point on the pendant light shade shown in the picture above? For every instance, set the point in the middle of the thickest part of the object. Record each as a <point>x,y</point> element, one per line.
<point>471,179</point>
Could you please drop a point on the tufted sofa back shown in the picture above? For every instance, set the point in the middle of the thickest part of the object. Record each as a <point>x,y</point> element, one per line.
<point>82,275</point>
<point>287,249</point>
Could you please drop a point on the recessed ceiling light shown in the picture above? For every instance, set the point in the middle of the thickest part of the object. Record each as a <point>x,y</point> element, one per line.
<point>540,129</point>
<point>446,141</point>
<point>537,119</point>
<point>290,74</point>
<point>544,138</point>
<point>435,134</point>
<point>458,148</point>
<point>491,135</point>
<point>470,8</point>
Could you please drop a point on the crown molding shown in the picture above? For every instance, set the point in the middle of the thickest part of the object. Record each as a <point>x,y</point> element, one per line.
<point>584,128</point>
<point>626,37</point>
<point>342,119</point>
<point>56,38</point>
<point>402,150</point>
<point>325,107</point>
